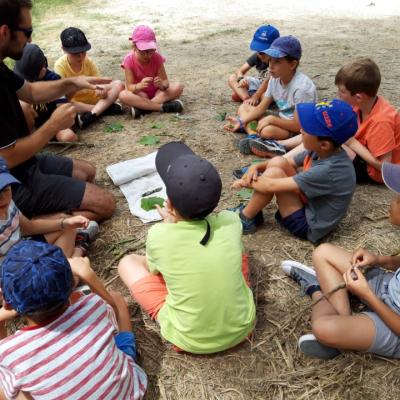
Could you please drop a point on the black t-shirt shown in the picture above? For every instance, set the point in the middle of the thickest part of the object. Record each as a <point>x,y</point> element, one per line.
<point>12,121</point>
<point>261,67</point>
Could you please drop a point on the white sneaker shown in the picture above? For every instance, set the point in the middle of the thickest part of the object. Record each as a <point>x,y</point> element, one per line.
<point>287,266</point>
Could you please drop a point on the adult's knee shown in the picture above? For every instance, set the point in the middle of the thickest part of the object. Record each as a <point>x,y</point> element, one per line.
<point>83,170</point>
<point>108,205</point>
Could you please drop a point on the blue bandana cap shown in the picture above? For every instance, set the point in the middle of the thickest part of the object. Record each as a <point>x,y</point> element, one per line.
<point>35,276</point>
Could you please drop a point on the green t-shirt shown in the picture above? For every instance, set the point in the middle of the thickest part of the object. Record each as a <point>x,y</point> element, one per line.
<point>209,307</point>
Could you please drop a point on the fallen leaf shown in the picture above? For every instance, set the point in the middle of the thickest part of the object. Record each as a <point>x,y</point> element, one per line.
<point>149,140</point>
<point>149,203</point>
<point>113,127</point>
<point>245,193</point>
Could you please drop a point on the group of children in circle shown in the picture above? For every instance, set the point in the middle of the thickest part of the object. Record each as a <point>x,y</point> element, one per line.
<point>201,294</point>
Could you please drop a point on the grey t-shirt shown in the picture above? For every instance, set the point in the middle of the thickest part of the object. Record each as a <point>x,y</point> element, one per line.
<point>328,186</point>
<point>261,67</point>
<point>300,89</point>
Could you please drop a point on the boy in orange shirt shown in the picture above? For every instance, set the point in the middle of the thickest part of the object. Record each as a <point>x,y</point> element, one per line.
<point>379,122</point>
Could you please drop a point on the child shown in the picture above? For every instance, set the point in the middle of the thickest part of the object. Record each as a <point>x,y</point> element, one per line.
<point>379,122</point>
<point>64,351</point>
<point>58,229</point>
<point>250,89</point>
<point>311,203</point>
<point>147,85</point>
<point>33,68</point>
<point>334,326</point>
<point>89,103</point>
<point>192,279</point>
<point>287,87</point>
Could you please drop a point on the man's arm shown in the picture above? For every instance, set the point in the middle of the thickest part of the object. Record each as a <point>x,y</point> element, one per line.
<point>25,148</point>
<point>43,92</point>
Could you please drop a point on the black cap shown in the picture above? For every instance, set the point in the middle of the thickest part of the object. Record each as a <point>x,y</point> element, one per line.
<point>193,184</point>
<point>31,63</point>
<point>73,41</point>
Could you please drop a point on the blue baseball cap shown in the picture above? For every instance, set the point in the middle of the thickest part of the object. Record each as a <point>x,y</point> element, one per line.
<point>6,178</point>
<point>391,176</point>
<point>284,46</point>
<point>35,276</point>
<point>263,37</point>
<point>334,119</point>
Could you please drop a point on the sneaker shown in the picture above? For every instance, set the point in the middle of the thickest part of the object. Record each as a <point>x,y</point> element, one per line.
<point>262,148</point>
<point>114,109</point>
<point>174,106</point>
<point>238,173</point>
<point>244,144</point>
<point>137,112</point>
<point>249,225</point>
<point>236,98</point>
<point>91,231</point>
<point>303,275</point>
<point>85,119</point>
<point>309,345</point>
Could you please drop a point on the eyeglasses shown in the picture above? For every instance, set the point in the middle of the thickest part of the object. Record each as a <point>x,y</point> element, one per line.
<point>27,31</point>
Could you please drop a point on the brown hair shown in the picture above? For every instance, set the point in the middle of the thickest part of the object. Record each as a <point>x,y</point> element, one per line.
<point>360,76</point>
<point>10,11</point>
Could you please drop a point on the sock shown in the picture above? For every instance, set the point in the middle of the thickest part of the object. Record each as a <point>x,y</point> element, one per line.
<point>312,289</point>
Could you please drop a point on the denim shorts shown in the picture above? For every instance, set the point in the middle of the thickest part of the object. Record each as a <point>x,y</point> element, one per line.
<point>386,342</point>
<point>126,342</point>
<point>296,223</point>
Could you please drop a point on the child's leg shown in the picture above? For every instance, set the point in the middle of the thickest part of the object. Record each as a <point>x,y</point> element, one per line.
<point>233,84</point>
<point>66,135</point>
<point>292,142</point>
<point>278,167</point>
<point>132,268</point>
<point>330,263</point>
<point>346,332</point>
<point>113,91</point>
<point>65,240</point>
<point>275,132</point>
<point>139,100</point>
<point>172,93</point>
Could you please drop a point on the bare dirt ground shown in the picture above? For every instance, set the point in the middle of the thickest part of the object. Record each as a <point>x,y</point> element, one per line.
<point>203,43</point>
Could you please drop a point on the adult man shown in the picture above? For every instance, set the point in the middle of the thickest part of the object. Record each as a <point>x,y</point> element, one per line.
<point>49,183</point>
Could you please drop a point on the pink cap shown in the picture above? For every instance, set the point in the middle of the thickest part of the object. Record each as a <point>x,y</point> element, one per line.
<point>144,37</point>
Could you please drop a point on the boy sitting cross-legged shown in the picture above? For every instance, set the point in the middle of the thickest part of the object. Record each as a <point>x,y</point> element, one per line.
<point>64,351</point>
<point>339,272</point>
<point>192,279</point>
<point>312,202</point>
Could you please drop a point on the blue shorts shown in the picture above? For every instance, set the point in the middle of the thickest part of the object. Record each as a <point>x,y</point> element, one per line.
<point>126,342</point>
<point>296,223</point>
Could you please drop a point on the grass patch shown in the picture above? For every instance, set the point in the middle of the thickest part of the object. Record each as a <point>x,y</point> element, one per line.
<point>41,7</point>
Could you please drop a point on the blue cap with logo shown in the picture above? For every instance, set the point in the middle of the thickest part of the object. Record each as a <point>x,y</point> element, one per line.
<point>284,46</point>
<point>263,37</point>
<point>35,276</point>
<point>6,178</point>
<point>334,119</point>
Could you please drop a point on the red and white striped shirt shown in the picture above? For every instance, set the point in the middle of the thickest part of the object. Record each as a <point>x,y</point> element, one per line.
<point>73,357</point>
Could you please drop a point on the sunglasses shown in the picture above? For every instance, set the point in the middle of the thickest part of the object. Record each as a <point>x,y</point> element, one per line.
<point>27,31</point>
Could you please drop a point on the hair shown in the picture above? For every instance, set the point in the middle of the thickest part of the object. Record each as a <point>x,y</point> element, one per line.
<point>50,312</point>
<point>290,59</point>
<point>330,140</point>
<point>360,76</point>
<point>10,11</point>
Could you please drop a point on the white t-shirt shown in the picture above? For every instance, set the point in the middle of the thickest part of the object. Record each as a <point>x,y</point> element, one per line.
<point>72,357</point>
<point>300,89</point>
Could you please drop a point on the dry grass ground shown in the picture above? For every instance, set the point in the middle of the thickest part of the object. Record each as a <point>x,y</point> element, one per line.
<point>203,44</point>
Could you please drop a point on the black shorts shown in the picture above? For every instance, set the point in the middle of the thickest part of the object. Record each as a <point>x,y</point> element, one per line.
<point>48,187</point>
<point>360,167</point>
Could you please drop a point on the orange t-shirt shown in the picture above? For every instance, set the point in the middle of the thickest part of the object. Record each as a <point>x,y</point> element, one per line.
<point>380,133</point>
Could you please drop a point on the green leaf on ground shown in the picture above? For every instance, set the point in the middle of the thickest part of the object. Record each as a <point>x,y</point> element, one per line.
<point>221,116</point>
<point>245,193</point>
<point>157,125</point>
<point>149,140</point>
<point>252,125</point>
<point>149,203</point>
<point>113,127</point>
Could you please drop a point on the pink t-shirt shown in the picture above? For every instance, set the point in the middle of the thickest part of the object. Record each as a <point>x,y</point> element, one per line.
<point>141,71</point>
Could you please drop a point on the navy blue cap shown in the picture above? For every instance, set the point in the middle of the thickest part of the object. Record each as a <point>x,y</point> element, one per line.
<point>6,178</point>
<point>391,176</point>
<point>263,37</point>
<point>35,276</point>
<point>284,46</point>
<point>31,63</point>
<point>334,119</point>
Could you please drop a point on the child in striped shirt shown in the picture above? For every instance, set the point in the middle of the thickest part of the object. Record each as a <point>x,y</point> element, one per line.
<point>64,351</point>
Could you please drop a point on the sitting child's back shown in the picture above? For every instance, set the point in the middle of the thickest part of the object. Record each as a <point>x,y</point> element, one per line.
<point>209,306</point>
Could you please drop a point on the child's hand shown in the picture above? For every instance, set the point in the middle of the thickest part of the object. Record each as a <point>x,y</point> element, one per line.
<point>233,125</point>
<point>262,123</point>
<point>243,83</point>
<point>252,101</point>
<point>145,82</point>
<point>77,221</point>
<point>101,92</point>
<point>358,285</point>
<point>158,82</point>
<point>166,214</point>
<point>238,184</point>
<point>362,258</point>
